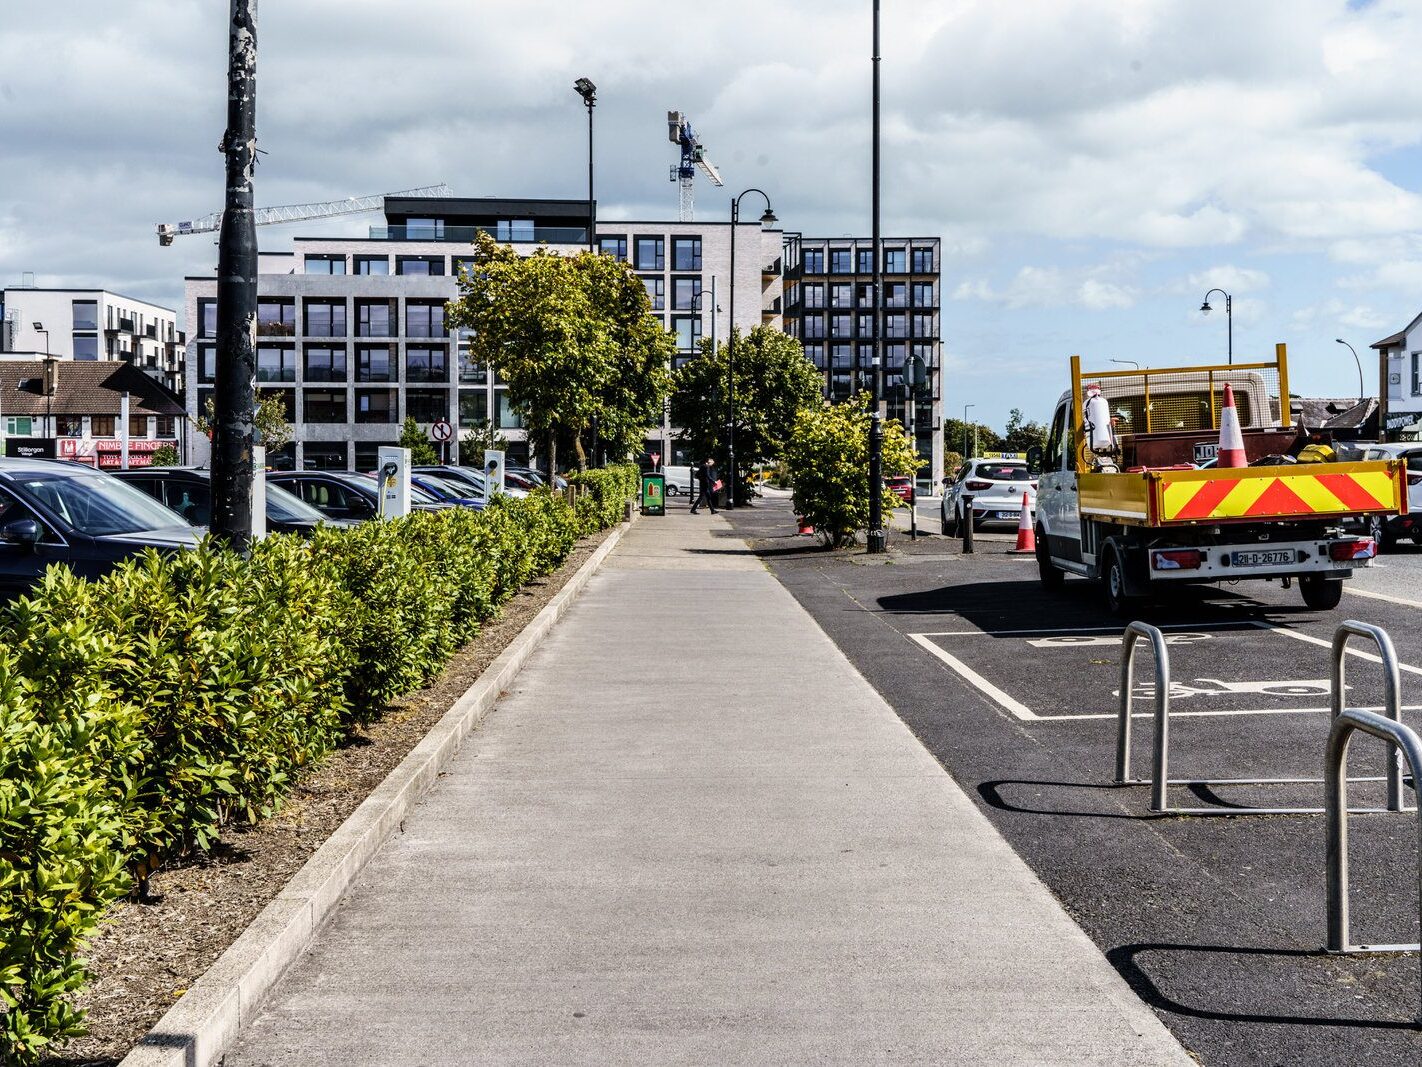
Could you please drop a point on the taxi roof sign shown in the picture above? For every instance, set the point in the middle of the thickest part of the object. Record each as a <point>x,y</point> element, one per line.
<point>1001,455</point>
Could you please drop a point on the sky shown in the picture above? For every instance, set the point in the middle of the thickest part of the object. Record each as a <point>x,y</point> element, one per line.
<point>1092,166</point>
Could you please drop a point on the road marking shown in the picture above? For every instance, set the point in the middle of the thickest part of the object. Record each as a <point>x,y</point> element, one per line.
<point>1310,639</point>
<point>1084,641</point>
<point>973,678</point>
<point>1383,596</point>
<point>1117,630</point>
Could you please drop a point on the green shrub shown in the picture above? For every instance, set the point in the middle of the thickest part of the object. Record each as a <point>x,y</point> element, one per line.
<point>609,489</point>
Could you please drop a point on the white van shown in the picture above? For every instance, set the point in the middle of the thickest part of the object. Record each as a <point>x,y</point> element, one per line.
<point>679,480</point>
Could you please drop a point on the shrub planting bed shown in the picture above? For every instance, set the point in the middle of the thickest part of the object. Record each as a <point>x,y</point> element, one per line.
<point>178,701</point>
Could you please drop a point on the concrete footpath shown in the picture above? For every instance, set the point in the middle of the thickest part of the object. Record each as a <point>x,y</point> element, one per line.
<point>692,833</point>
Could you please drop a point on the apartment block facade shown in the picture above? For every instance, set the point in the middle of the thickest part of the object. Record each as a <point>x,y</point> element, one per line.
<point>351,331</point>
<point>829,305</point>
<point>89,325</point>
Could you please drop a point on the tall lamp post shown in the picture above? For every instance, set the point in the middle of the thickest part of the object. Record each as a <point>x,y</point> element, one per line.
<point>588,91</point>
<point>1361,395</point>
<point>966,454</point>
<point>768,219</point>
<point>1205,309</point>
<point>876,540</point>
<point>48,382</point>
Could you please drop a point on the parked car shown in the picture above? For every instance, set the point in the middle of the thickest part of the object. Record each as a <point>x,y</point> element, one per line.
<point>188,491</point>
<point>468,476</point>
<point>344,494</point>
<point>538,478</point>
<point>448,490</point>
<point>901,486</point>
<point>996,486</point>
<point>56,512</point>
<point>1386,529</point>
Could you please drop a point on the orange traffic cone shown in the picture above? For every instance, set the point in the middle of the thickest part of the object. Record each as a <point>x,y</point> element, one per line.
<point>806,527</point>
<point>1026,536</point>
<point>1231,452</point>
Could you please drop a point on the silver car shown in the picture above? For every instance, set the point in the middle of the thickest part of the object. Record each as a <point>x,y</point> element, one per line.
<point>996,487</point>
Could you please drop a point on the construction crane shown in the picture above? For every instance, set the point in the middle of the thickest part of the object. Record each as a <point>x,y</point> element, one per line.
<point>693,155</point>
<point>267,216</point>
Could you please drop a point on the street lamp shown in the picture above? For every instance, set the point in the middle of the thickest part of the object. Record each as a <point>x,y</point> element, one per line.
<point>1123,362</point>
<point>1361,395</point>
<point>48,381</point>
<point>966,454</point>
<point>1229,316</point>
<point>768,219</point>
<point>588,91</point>
<point>39,328</point>
<point>876,539</point>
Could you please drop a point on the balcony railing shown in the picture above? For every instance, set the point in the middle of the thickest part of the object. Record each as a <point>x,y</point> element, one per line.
<point>554,235</point>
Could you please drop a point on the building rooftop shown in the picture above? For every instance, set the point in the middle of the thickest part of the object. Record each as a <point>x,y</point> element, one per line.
<point>84,388</point>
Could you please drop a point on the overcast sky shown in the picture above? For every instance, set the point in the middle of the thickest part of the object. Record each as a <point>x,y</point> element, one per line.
<point>1093,166</point>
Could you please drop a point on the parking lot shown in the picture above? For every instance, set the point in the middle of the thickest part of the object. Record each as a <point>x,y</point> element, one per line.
<point>1217,923</point>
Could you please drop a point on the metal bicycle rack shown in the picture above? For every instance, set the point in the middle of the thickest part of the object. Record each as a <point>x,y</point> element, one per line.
<point>1159,780</point>
<point>1335,798</point>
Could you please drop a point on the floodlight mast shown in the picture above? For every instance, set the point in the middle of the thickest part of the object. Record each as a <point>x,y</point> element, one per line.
<point>693,157</point>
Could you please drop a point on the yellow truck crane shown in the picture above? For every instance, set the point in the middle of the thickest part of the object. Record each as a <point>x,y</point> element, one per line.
<point>1127,492</point>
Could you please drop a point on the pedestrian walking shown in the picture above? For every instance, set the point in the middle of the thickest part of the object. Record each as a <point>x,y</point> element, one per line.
<point>708,481</point>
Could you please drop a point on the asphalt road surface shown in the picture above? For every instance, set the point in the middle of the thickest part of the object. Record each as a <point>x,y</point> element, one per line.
<point>1217,923</point>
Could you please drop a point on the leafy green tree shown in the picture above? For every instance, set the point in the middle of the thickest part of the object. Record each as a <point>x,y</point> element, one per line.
<point>269,418</point>
<point>774,383</point>
<point>165,456</point>
<point>422,452</point>
<point>1022,434</point>
<point>987,439</point>
<point>828,459</point>
<point>573,337</point>
<point>481,438</point>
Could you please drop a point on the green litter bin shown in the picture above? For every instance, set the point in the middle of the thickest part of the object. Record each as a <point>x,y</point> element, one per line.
<point>654,494</point>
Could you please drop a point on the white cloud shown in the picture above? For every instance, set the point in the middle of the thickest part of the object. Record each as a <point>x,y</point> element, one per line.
<point>1233,280</point>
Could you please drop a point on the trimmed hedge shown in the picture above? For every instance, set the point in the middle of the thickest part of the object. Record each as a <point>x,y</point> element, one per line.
<point>143,712</point>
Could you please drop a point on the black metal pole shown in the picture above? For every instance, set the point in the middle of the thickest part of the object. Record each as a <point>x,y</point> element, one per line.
<point>592,204</point>
<point>1229,325</point>
<point>877,538</point>
<point>234,396</point>
<point>731,368</point>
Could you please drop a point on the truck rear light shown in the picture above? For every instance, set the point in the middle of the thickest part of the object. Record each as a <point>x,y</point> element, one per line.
<point>1342,551</point>
<point>978,487</point>
<point>1176,559</point>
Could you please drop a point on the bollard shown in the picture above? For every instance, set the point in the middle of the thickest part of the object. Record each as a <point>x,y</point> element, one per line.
<point>967,524</point>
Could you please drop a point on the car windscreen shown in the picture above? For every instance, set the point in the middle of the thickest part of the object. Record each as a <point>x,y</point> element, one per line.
<point>1003,472</point>
<point>288,507</point>
<point>98,505</point>
<point>417,495</point>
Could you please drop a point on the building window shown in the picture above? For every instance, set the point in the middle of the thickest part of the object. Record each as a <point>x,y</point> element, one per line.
<point>814,294</point>
<point>424,229</point>
<point>372,264</point>
<point>473,408</point>
<point>686,253</point>
<point>276,318</point>
<point>86,314</point>
<point>923,261</point>
<point>276,363</point>
<point>374,364</point>
<point>471,371</point>
<point>684,293</point>
<point>325,318</point>
<point>207,318</point>
<point>895,261</point>
<point>324,455</point>
<point>69,425</point>
<point>507,414</point>
<point>287,398</point>
<point>207,363</point>
<point>165,426</point>
<point>427,405</point>
<point>842,357</point>
<point>325,405</point>
<point>101,425</point>
<point>925,326</point>
<point>375,405</point>
<point>865,324</point>
<point>516,230</point>
<point>814,327</point>
<point>841,296</point>
<point>656,292</point>
<point>375,318</point>
<point>424,318</point>
<point>841,261</point>
<point>688,332</point>
<point>420,265</point>
<point>426,364</point>
<point>815,353</point>
<point>813,261</point>
<point>138,426</point>
<point>841,326</point>
<point>1417,373</point>
<point>325,363</point>
<point>923,295</point>
<point>896,326</point>
<point>865,261</point>
<point>324,264</point>
<point>19,426</point>
<point>616,247</point>
<point>86,347</point>
<point>466,264</point>
<point>895,295</point>
<point>651,253</point>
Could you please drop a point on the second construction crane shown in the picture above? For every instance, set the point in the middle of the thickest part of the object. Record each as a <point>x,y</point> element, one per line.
<point>693,155</point>
<point>268,216</point>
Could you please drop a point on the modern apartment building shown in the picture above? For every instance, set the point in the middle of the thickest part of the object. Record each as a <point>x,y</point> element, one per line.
<point>829,305</point>
<point>351,331</point>
<point>92,325</point>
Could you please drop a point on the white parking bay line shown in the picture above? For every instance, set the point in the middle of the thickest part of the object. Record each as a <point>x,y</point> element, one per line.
<point>973,678</point>
<point>1371,657</point>
<point>1382,596</point>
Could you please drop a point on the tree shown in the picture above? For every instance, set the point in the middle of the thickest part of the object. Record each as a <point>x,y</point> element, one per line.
<point>986,437</point>
<point>422,452</point>
<point>473,443</point>
<point>828,459</point>
<point>269,418</point>
<point>1021,434</point>
<point>165,456</point>
<point>774,383</point>
<point>573,337</point>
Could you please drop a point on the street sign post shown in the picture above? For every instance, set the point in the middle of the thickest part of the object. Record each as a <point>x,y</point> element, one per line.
<point>441,432</point>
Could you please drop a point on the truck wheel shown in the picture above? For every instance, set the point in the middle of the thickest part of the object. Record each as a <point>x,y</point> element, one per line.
<point>1113,581</point>
<point>1052,578</point>
<point>1320,593</point>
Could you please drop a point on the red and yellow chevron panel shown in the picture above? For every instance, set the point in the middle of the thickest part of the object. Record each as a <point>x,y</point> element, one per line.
<point>1280,492</point>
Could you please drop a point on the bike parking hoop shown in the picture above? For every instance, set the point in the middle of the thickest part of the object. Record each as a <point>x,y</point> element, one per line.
<point>1335,798</point>
<point>1160,781</point>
